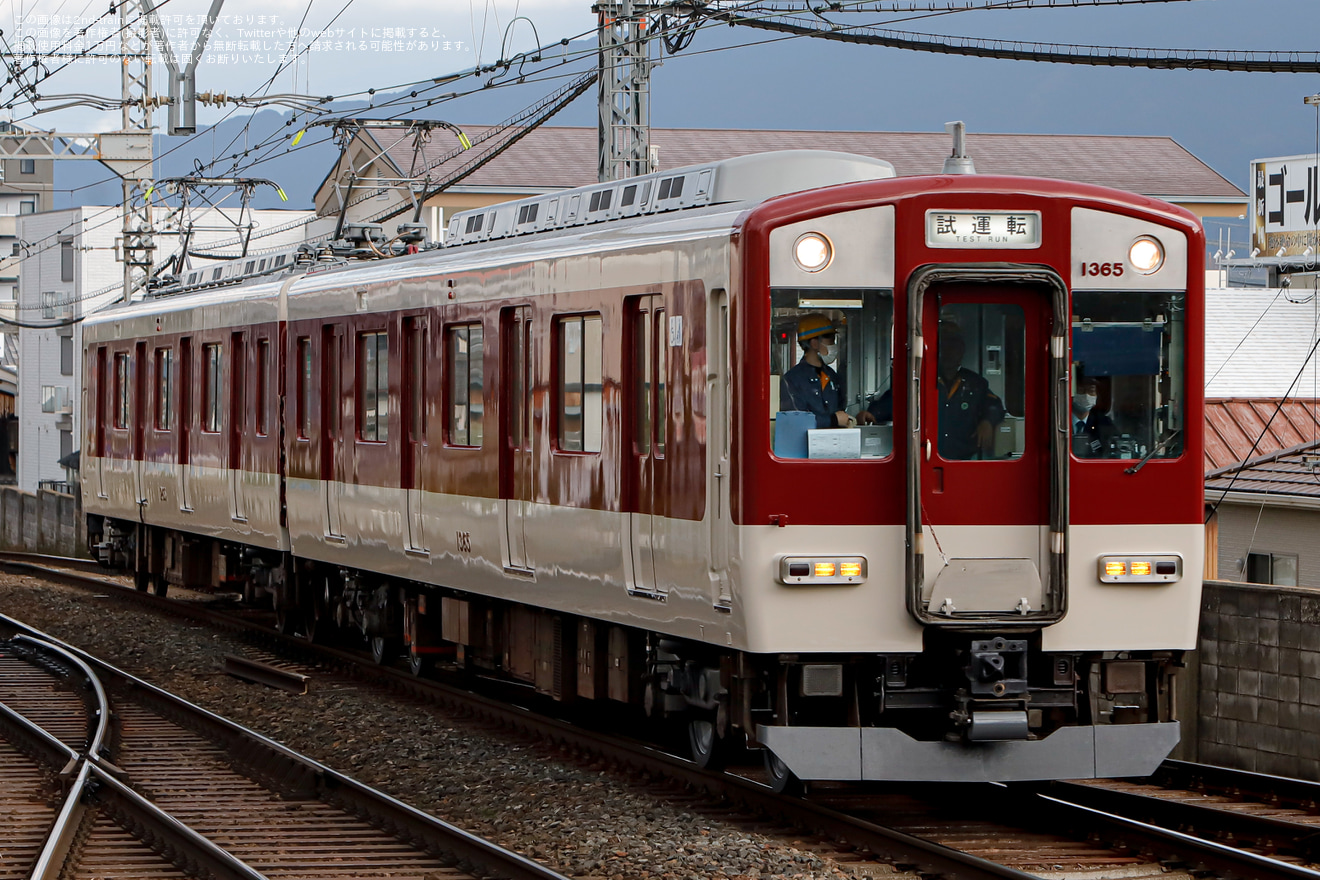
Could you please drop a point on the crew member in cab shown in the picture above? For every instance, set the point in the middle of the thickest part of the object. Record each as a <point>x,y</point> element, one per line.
<point>969,410</point>
<point>812,385</point>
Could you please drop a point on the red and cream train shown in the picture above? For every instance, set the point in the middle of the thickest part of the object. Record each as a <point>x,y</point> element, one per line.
<point>554,450</point>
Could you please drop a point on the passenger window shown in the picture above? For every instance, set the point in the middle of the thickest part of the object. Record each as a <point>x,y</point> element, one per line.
<point>1128,369</point>
<point>164,388</point>
<point>212,388</point>
<point>980,381</point>
<point>466,404</point>
<point>374,380</point>
<point>579,343</point>
<point>831,351</point>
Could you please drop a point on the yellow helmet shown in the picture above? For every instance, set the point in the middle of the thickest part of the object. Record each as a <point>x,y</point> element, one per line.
<point>813,325</point>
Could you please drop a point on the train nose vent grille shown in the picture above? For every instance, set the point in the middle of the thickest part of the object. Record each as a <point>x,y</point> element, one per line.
<point>822,680</point>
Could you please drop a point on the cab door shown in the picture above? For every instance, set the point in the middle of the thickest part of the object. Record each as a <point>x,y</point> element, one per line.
<point>986,479</point>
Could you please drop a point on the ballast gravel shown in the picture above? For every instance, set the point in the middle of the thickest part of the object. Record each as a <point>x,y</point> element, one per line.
<point>584,823</point>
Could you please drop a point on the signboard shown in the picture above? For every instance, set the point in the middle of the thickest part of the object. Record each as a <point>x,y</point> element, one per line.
<point>1285,199</point>
<point>982,229</point>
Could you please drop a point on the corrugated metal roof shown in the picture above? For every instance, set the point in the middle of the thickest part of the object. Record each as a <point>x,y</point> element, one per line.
<point>1258,340</point>
<point>1233,426</point>
<point>1283,472</point>
<point>558,156</point>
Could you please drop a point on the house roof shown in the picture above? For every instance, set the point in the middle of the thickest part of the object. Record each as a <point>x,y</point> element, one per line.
<point>1232,427</point>
<point>1284,472</point>
<point>1260,343</point>
<point>560,156</point>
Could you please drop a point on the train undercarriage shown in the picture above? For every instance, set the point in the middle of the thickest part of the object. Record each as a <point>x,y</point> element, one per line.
<point>968,689</point>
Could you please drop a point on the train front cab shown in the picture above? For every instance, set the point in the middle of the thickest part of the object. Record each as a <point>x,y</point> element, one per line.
<point>988,583</point>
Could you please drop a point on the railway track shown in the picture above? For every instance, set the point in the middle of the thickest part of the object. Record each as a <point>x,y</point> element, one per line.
<point>1037,830</point>
<point>169,790</point>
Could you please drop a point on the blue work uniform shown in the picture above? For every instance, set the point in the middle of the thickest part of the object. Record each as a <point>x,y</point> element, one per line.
<point>816,390</point>
<point>964,404</point>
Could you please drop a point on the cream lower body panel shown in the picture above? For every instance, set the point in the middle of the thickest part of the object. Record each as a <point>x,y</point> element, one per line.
<point>576,557</point>
<point>1130,617</point>
<point>211,492</point>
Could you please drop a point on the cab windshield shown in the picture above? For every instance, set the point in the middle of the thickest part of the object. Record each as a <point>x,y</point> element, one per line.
<point>1128,361</point>
<point>831,367</point>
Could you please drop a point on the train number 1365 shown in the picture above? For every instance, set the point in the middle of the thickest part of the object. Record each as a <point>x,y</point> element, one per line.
<point>1106,269</point>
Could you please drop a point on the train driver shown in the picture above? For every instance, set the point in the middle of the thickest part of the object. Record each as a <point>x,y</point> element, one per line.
<point>813,385</point>
<point>969,410</point>
<point>1093,430</point>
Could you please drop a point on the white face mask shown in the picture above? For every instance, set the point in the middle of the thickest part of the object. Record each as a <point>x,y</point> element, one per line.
<point>830,353</point>
<point>1082,404</point>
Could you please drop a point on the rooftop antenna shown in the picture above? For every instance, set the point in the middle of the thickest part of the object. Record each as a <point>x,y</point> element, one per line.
<point>959,162</point>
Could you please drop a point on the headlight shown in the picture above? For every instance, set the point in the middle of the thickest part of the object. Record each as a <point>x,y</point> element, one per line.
<point>1140,569</point>
<point>812,251</point>
<point>1146,255</point>
<point>813,570</point>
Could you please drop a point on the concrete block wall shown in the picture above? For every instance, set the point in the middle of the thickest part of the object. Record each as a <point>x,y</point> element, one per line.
<point>47,522</point>
<point>1259,679</point>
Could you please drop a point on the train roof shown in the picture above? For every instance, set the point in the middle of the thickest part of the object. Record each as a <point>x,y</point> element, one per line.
<point>752,178</point>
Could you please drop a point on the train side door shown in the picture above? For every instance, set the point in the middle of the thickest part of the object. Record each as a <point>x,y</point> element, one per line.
<point>718,424</point>
<point>516,429</point>
<point>237,424</point>
<point>332,424</point>
<point>986,441</point>
<point>644,440</point>
<point>139,418</point>
<point>185,422</point>
<point>414,449</point>
<point>102,402</point>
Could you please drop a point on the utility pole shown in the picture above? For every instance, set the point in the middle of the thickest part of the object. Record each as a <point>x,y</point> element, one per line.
<point>624,87</point>
<point>135,42</point>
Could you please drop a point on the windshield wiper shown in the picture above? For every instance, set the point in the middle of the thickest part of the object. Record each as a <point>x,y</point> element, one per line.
<point>1149,455</point>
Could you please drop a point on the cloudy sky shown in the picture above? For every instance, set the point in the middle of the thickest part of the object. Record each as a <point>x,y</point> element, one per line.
<point>344,47</point>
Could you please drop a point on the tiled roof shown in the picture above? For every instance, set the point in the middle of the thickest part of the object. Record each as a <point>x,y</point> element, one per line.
<point>557,156</point>
<point>1290,471</point>
<point>1232,426</point>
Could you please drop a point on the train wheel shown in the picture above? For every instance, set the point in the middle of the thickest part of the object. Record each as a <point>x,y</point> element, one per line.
<point>709,749</point>
<point>383,650</point>
<point>782,780</point>
<point>286,621</point>
<point>419,664</point>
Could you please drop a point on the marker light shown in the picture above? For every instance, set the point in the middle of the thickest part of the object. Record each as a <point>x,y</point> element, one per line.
<point>812,251</point>
<point>821,571</point>
<point>1147,568</point>
<point>1146,255</point>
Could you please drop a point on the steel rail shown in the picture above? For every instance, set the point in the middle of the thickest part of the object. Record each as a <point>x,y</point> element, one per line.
<point>1201,855</point>
<point>1220,823</point>
<point>289,771</point>
<point>24,644</point>
<point>49,750</point>
<point>1279,791</point>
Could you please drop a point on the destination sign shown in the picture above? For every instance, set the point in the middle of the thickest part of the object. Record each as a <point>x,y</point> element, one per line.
<point>983,229</point>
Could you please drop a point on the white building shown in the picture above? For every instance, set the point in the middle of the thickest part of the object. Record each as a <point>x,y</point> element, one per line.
<point>70,270</point>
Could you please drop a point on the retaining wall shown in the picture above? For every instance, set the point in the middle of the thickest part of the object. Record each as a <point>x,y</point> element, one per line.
<point>47,522</point>
<point>1258,674</point>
